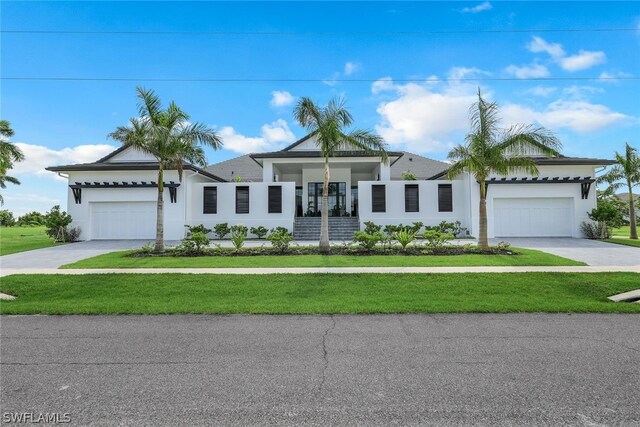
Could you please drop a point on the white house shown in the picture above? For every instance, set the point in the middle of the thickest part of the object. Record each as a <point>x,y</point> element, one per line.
<point>115,197</point>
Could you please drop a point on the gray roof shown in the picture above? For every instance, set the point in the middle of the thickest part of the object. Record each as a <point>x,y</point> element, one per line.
<point>422,167</point>
<point>251,171</point>
<point>243,166</point>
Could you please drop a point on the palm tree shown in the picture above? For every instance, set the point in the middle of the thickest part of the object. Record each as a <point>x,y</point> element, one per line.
<point>9,154</point>
<point>167,135</point>
<point>489,149</point>
<point>628,171</point>
<point>328,125</point>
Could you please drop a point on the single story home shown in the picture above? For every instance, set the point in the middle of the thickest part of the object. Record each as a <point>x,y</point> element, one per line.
<point>115,197</point>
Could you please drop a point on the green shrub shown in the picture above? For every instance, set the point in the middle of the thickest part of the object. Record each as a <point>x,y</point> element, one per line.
<point>31,219</point>
<point>221,230</point>
<point>453,228</point>
<point>280,239</point>
<point>260,231</point>
<point>370,227</point>
<point>200,228</point>
<point>57,223</point>
<point>436,240</point>
<point>194,244</point>
<point>390,230</point>
<point>503,245</point>
<point>238,236</point>
<point>7,219</point>
<point>366,240</point>
<point>608,216</point>
<point>595,230</point>
<point>404,237</point>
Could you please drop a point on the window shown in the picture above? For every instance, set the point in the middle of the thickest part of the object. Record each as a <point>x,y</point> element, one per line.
<point>210,200</point>
<point>445,198</point>
<point>242,200</point>
<point>378,198</point>
<point>411,198</point>
<point>337,198</point>
<point>275,199</point>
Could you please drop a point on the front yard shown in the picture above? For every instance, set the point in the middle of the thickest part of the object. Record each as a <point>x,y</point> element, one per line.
<point>20,239</point>
<point>526,257</point>
<point>317,293</point>
<point>624,241</point>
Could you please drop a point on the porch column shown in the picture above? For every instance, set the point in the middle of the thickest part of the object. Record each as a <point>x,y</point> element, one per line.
<point>267,171</point>
<point>385,172</point>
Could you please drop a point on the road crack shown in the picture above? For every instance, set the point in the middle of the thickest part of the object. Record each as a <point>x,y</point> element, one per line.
<point>325,353</point>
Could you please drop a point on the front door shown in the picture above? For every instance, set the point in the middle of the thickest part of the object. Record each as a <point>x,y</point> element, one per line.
<point>337,199</point>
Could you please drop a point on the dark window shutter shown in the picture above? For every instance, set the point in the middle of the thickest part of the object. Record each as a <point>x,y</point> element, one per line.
<point>411,198</point>
<point>210,200</point>
<point>445,198</point>
<point>275,199</point>
<point>242,200</point>
<point>378,198</point>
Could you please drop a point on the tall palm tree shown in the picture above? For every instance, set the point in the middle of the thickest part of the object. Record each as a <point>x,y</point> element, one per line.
<point>328,125</point>
<point>9,154</point>
<point>627,171</point>
<point>167,135</point>
<point>489,149</point>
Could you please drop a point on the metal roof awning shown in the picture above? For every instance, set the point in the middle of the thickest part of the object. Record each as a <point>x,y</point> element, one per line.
<point>77,187</point>
<point>585,182</point>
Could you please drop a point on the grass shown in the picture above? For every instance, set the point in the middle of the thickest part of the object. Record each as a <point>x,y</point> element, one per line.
<point>621,231</point>
<point>317,293</point>
<point>122,260</point>
<point>20,239</point>
<point>624,241</point>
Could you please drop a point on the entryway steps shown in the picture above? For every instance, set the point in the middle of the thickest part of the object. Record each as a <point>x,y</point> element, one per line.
<point>340,228</point>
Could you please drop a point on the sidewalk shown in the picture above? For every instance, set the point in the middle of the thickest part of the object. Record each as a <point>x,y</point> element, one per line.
<point>334,270</point>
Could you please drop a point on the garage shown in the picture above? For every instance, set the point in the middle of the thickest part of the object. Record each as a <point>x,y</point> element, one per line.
<point>533,217</point>
<point>123,220</point>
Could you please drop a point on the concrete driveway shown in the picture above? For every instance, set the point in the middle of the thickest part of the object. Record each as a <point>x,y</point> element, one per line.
<point>439,370</point>
<point>56,256</point>
<point>592,252</point>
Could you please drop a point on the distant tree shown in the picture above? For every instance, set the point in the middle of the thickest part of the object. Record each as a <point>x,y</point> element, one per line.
<point>167,135</point>
<point>409,176</point>
<point>7,219</point>
<point>625,173</point>
<point>31,219</point>
<point>489,149</point>
<point>9,154</point>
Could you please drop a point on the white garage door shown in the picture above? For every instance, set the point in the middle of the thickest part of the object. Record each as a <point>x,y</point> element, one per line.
<point>123,220</point>
<point>548,217</point>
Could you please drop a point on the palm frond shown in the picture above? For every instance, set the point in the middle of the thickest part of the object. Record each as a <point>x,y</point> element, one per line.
<point>518,140</point>
<point>10,152</point>
<point>5,129</point>
<point>149,104</point>
<point>368,142</point>
<point>307,114</point>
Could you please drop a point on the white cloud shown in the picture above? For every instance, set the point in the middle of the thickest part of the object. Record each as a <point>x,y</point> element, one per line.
<point>479,8</point>
<point>542,91</point>
<point>577,115</point>
<point>528,71</point>
<point>613,77</point>
<point>33,198</point>
<point>38,157</point>
<point>538,44</point>
<point>457,73</point>
<point>272,137</point>
<point>350,68</point>
<point>421,118</point>
<point>583,60</point>
<point>281,98</point>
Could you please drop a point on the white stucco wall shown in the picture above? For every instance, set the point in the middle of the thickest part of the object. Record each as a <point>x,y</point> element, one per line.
<point>174,213</point>
<point>569,190</point>
<point>428,203</point>
<point>258,205</point>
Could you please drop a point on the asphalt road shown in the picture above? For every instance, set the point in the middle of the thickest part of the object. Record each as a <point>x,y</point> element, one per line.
<point>521,369</point>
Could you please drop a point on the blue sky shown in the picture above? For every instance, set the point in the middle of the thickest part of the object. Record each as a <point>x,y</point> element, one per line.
<point>59,122</point>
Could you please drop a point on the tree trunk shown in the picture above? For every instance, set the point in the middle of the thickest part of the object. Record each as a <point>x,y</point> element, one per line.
<point>325,246</point>
<point>633,229</point>
<point>483,241</point>
<point>159,246</point>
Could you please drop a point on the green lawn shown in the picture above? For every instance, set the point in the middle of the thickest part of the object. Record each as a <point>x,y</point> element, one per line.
<point>20,239</point>
<point>317,293</point>
<point>621,231</point>
<point>121,260</point>
<point>624,241</point>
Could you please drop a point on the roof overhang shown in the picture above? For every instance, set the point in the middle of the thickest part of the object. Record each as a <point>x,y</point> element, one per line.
<point>127,166</point>
<point>287,155</point>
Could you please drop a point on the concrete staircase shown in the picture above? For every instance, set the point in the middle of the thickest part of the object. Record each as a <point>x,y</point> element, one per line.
<point>340,228</point>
